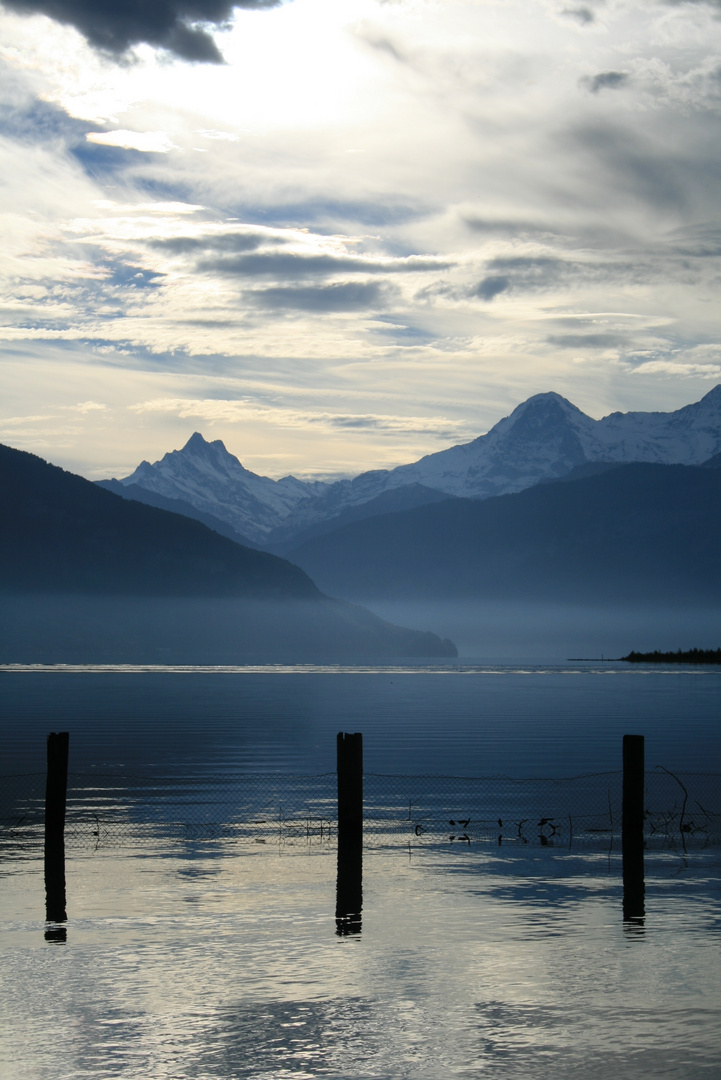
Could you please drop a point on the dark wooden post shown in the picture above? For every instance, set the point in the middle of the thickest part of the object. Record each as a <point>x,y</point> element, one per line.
<point>350,786</point>
<point>349,890</point>
<point>632,827</point>
<point>55,798</point>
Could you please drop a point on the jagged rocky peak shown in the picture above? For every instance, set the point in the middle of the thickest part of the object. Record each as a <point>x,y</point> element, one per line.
<point>196,444</point>
<point>198,457</point>
<point>201,448</point>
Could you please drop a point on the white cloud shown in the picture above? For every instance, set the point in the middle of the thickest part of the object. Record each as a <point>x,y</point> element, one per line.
<point>415,288</point>
<point>149,142</point>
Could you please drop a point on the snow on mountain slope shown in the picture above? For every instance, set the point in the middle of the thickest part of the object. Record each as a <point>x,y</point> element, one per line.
<point>543,438</point>
<point>547,436</point>
<point>689,436</point>
<point>213,480</point>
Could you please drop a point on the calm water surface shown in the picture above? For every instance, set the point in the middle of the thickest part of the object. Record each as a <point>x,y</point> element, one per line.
<point>218,964</point>
<point>221,960</point>
<point>468,720</point>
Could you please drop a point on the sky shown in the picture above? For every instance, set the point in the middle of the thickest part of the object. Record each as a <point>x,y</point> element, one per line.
<point>341,234</point>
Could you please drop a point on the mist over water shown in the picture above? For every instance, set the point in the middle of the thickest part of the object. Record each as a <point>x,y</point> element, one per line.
<point>165,630</point>
<point>528,632</point>
<point>82,628</point>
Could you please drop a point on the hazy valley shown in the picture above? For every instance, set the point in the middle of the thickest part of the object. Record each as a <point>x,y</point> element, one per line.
<point>547,528</point>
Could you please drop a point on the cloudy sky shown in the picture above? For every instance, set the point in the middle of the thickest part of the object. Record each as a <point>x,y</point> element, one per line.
<point>340,234</point>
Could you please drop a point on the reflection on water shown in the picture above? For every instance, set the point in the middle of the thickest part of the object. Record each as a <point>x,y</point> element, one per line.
<point>206,962</point>
<point>349,890</point>
<point>509,951</point>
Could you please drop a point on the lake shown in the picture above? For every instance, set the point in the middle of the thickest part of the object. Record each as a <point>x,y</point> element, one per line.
<point>462,719</point>
<point>217,958</point>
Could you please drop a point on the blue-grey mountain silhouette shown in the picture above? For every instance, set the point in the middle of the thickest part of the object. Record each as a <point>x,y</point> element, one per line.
<point>86,575</point>
<point>639,532</point>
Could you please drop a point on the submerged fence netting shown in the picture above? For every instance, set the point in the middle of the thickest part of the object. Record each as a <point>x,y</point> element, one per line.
<point>114,808</point>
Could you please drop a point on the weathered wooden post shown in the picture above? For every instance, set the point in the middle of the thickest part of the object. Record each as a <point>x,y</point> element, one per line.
<point>55,799</point>
<point>349,888</point>
<point>632,828</point>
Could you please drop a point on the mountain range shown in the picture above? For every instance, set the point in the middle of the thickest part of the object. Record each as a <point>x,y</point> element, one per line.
<point>86,575</point>
<point>549,507</point>
<point>544,438</point>
<point>627,534</point>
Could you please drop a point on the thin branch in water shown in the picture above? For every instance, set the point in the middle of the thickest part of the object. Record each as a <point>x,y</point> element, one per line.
<point>685,800</point>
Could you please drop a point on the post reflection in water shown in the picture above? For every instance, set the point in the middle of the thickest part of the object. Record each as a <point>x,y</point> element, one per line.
<point>56,934</point>
<point>349,889</point>
<point>634,892</point>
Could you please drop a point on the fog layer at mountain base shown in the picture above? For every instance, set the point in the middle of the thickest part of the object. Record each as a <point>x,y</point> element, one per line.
<point>520,631</point>
<point>81,629</point>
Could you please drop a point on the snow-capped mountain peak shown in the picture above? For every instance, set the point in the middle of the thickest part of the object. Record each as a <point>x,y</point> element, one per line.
<point>543,438</point>
<point>207,475</point>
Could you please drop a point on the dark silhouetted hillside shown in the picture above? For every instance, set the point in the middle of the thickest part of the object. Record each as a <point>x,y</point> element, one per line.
<point>61,533</point>
<point>135,493</point>
<point>89,577</point>
<point>633,532</point>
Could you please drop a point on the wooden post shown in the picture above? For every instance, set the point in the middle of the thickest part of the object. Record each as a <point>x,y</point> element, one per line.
<point>350,786</point>
<point>55,799</point>
<point>349,887</point>
<point>632,828</point>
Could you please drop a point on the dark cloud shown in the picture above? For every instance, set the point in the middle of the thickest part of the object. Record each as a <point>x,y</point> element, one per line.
<point>582,15</point>
<point>114,26</point>
<point>283,264</point>
<point>340,297</point>
<point>383,44</point>
<point>701,3</point>
<point>585,341</point>
<point>358,422</point>
<point>605,80</point>
<point>224,242</point>
<point>519,272</point>
<point>236,254</point>
<point>504,226</point>
<point>533,265</point>
<point>492,286</point>
<point>653,171</point>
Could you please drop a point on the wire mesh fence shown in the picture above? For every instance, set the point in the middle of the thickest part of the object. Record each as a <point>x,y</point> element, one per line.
<point>113,808</point>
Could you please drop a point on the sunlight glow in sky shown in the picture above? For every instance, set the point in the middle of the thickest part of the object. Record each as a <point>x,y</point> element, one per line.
<point>369,234</point>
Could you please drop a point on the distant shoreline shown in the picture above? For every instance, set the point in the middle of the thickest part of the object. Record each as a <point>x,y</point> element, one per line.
<point>689,656</point>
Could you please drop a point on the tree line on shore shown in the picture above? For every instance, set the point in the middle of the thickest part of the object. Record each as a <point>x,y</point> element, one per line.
<point>681,656</point>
